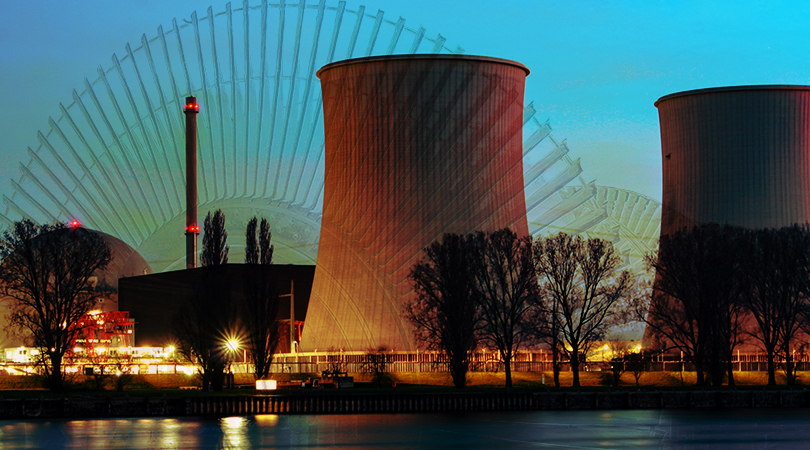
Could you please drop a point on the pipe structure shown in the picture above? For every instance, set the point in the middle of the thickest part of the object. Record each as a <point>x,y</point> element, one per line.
<point>191,109</point>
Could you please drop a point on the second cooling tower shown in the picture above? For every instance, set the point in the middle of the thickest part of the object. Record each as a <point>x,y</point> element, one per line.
<point>416,146</point>
<point>736,155</point>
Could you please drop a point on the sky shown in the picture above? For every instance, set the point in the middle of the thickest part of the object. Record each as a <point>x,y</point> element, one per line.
<point>596,67</point>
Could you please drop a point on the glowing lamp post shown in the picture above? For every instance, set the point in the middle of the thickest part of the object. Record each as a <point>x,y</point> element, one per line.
<point>191,109</point>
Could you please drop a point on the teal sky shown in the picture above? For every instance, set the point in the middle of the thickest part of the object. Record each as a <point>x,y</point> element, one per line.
<point>597,67</point>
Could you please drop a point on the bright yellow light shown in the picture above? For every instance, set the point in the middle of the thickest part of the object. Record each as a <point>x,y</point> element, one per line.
<point>232,345</point>
<point>170,349</point>
<point>606,348</point>
<point>638,347</point>
<point>265,385</point>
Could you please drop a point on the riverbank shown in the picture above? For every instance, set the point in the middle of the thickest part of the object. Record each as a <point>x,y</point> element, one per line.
<point>389,401</point>
<point>168,395</point>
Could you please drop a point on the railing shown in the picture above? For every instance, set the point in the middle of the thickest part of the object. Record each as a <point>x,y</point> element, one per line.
<point>419,362</point>
<point>534,361</point>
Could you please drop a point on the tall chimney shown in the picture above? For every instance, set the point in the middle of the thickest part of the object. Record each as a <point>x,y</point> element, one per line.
<point>191,110</point>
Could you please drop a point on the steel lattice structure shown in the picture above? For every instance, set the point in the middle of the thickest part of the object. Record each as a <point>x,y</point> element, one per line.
<point>113,157</point>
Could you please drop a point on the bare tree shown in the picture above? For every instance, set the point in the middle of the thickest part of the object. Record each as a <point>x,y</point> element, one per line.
<point>445,313</point>
<point>638,362</point>
<point>259,316</point>
<point>335,361</point>
<point>507,287</point>
<point>265,248</point>
<point>376,361</point>
<point>203,323</point>
<point>696,303</point>
<point>215,238</point>
<point>260,305</point>
<point>46,273</point>
<point>776,267</point>
<point>204,320</point>
<point>547,328</point>
<point>586,293</point>
<point>251,246</point>
<point>618,359</point>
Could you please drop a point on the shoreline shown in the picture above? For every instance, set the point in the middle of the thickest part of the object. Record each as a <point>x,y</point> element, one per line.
<point>101,406</point>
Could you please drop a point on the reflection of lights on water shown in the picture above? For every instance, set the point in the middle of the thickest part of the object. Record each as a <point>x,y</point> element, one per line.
<point>234,422</point>
<point>267,420</point>
<point>235,431</point>
<point>171,436</point>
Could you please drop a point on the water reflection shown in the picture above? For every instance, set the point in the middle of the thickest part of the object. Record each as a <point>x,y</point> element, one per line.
<point>784,429</point>
<point>235,432</point>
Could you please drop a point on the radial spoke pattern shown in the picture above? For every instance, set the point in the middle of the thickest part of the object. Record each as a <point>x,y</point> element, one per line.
<point>113,158</point>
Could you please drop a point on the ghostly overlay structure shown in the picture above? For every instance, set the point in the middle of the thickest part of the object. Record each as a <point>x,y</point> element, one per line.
<point>416,146</point>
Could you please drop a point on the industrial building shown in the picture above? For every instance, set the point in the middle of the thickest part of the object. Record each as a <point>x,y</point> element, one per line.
<point>155,299</point>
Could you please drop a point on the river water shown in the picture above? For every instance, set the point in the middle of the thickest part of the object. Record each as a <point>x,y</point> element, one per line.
<point>637,429</point>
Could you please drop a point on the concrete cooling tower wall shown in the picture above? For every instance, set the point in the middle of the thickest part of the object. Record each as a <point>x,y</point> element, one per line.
<point>416,146</point>
<point>737,156</point>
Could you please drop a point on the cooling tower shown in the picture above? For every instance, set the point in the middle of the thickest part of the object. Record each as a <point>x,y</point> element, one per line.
<point>737,156</point>
<point>416,146</point>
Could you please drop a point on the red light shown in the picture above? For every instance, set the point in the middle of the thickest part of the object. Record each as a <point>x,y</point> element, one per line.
<point>193,229</point>
<point>75,224</point>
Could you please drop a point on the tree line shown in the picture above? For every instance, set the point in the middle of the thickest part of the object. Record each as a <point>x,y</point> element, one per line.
<point>717,286</point>
<point>48,272</point>
<point>510,292</point>
<point>213,316</point>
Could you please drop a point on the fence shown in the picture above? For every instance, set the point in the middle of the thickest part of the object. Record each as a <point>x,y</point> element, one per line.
<point>533,361</point>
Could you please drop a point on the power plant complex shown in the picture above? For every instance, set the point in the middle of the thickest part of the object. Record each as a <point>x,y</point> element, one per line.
<point>405,139</point>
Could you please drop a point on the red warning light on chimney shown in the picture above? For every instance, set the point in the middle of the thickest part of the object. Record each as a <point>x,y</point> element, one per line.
<point>192,107</point>
<point>75,224</point>
<point>193,228</point>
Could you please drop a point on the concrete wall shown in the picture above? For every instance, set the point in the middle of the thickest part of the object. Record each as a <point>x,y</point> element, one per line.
<point>737,156</point>
<point>416,146</point>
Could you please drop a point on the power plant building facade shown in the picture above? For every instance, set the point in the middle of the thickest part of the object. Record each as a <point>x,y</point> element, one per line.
<point>736,156</point>
<point>416,146</point>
